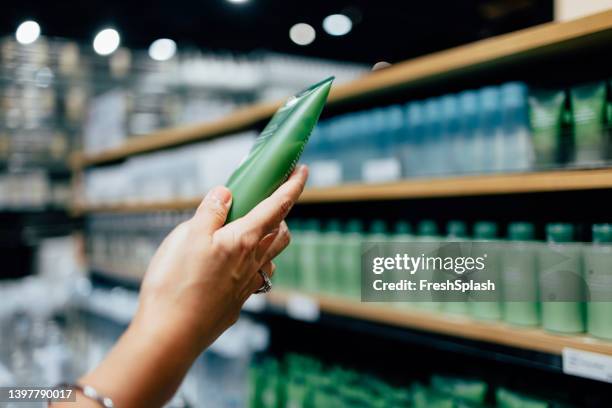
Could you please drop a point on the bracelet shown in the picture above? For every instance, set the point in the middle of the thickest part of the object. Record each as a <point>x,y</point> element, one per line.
<point>91,393</point>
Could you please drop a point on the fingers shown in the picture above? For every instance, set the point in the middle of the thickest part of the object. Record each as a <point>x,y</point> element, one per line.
<point>269,248</point>
<point>268,214</point>
<point>212,212</point>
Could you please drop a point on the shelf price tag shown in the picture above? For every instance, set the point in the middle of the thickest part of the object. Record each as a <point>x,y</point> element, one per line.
<point>302,307</point>
<point>587,364</point>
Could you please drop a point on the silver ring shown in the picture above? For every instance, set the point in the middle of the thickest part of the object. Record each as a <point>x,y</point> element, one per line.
<point>267,285</point>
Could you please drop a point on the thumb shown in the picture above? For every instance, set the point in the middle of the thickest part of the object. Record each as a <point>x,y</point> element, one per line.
<point>212,211</point>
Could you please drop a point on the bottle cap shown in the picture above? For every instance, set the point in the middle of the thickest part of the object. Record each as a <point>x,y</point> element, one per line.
<point>427,228</point>
<point>559,232</point>
<point>311,225</point>
<point>485,230</point>
<point>521,231</point>
<point>378,227</point>
<point>602,233</point>
<point>456,229</point>
<point>354,225</point>
<point>402,227</point>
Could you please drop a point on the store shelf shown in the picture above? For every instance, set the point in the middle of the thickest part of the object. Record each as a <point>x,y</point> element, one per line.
<point>537,182</point>
<point>456,326</point>
<point>545,40</point>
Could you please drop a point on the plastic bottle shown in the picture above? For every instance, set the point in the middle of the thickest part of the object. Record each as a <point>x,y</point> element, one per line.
<point>349,257</point>
<point>517,144</point>
<point>453,143</point>
<point>412,155</point>
<point>546,122</point>
<point>471,157</point>
<point>383,165</point>
<point>456,231</point>
<point>589,111</point>
<point>487,305</point>
<point>328,248</point>
<point>432,132</point>
<point>490,129</point>
<point>399,243</point>
<point>520,276</point>
<point>428,237</point>
<point>287,270</point>
<point>561,281</point>
<point>308,255</point>
<point>276,150</point>
<point>598,276</point>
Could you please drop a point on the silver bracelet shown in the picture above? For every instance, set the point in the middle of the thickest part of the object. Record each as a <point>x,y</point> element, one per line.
<point>91,393</point>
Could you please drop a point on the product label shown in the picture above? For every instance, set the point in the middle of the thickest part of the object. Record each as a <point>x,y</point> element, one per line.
<point>325,173</point>
<point>381,170</point>
<point>303,308</point>
<point>587,364</point>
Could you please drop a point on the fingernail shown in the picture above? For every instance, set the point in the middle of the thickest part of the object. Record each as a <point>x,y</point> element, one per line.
<point>220,196</point>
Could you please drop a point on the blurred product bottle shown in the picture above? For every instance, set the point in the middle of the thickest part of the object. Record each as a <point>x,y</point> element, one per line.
<point>472,156</point>
<point>589,116</point>
<point>520,276</point>
<point>517,146</point>
<point>546,117</point>
<point>426,243</point>
<point>506,398</point>
<point>323,156</point>
<point>328,247</point>
<point>561,281</point>
<point>286,262</point>
<point>382,164</point>
<point>487,305</point>
<point>377,241</point>
<point>349,272</point>
<point>490,129</point>
<point>598,276</point>
<point>453,143</point>
<point>456,233</point>
<point>466,390</point>
<point>399,244</point>
<point>413,160</point>
<point>432,138</point>
<point>308,255</point>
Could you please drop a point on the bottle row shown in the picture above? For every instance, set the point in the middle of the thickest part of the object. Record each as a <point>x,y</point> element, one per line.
<point>33,190</point>
<point>302,382</point>
<point>494,129</point>
<point>529,275</point>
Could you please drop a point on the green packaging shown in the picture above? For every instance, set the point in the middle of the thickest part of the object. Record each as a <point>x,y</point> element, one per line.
<point>349,257</point>
<point>286,262</point>
<point>598,275</point>
<point>455,302</point>
<point>276,150</point>
<point>402,234</point>
<point>427,231</point>
<point>487,305</point>
<point>546,109</point>
<point>511,399</point>
<point>561,278</point>
<point>520,276</point>
<point>328,248</point>
<point>468,390</point>
<point>308,256</point>
<point>589,115</point>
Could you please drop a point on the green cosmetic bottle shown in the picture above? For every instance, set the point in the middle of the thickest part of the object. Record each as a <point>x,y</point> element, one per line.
<point>428,234</point>
<point>561,281</point>
<point>598,276</point>
<point>589,111</point>
<point>487,305</point>
<point>328,248</point>
<point>400,241</point>
<point>454,303</point>
<point>276,150</point>
<point>349,258</point>
<point>520,277</point>
<point>309,256</point>
<point>286,261</point>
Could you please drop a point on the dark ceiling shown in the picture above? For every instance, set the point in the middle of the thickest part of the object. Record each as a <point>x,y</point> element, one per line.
<point>384,29</point>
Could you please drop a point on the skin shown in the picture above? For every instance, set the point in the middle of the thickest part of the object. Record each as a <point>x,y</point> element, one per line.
<point>193,290</point>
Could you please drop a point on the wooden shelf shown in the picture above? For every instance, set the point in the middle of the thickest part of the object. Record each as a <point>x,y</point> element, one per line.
<point>537,182</point>
<point>545,40</point>
<point>452,325</point>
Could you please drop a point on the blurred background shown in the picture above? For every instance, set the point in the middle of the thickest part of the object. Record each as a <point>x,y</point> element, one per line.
<point>484,119</point>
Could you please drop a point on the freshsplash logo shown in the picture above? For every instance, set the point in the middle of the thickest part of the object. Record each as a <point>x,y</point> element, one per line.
<point>412,264</point>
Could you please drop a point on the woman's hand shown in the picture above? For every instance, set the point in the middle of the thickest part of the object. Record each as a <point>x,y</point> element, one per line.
<point>193,290</point>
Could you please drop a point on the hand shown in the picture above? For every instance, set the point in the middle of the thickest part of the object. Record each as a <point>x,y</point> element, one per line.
<point>193,290</point>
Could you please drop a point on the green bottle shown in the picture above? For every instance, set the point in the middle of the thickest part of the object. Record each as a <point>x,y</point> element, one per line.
<point>511,399</point>
<point>487,305</point>
<point>286,262</point>
<point>309,256</point>
<point>454,303</point>
<point>377,240</point>
<point>561,278</point>
<point>589,112</point>
<point>519,271</point>
<point>276,150</point>
<point>598,276</point>
<point>546,109</point>
<point>328,248</point>
<point>428,234</point>
<point>349,258</point>
<point>399,244</point>
<point>464,389</point>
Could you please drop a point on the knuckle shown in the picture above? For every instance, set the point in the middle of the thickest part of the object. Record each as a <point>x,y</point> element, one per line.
<point>286,203</point>
<point>246,243</point>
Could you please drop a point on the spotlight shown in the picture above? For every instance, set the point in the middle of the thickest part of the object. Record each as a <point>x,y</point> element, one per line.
<point>302,34</point>
<point>337,24</point>
<point>27,32</point>
<point>106,41</point>
<point>162,49</point>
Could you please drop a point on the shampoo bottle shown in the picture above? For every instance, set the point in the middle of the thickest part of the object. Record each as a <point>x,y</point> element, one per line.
<point>561,281</point>
<point>456,232</point>
<point>487,305</point>
<point>349,258</point>
<point>428,236</point>
<point>308,255</point>
<point>598,276</point>
<point>276,150</point>
<point>328,247</point>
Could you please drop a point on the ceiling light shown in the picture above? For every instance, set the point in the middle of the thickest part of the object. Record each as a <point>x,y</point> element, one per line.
<point>337,24</point>
<point>106,41</point>
<point>302,34</point>
<point>27,32</point>
<point>238,1</point>
<point>162,49</point>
